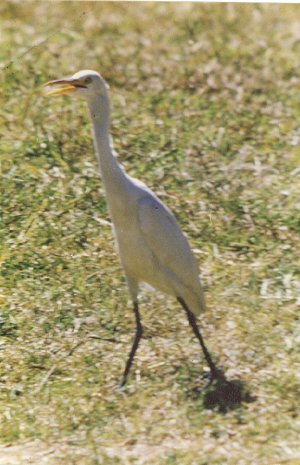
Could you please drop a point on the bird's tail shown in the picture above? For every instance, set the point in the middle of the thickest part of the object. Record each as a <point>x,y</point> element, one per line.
<point>195,302</point>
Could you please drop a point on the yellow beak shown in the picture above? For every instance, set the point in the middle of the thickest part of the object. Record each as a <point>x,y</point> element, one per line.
<point>63,86</point>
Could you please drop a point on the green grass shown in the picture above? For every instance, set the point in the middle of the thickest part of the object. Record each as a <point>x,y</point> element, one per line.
<point>206,112</point>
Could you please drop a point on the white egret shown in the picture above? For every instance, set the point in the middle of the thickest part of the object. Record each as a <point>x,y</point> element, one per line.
<point>151,245</point>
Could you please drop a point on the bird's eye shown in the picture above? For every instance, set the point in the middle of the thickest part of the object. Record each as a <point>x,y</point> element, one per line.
<point>88,80</point>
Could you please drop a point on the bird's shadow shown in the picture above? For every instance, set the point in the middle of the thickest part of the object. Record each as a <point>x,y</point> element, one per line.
<point>222,394</point>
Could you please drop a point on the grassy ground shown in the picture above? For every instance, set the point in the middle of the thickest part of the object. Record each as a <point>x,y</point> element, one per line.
<point>205,111</point>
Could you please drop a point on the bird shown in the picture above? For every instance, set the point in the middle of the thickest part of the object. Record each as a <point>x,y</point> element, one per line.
<point>150,243</point>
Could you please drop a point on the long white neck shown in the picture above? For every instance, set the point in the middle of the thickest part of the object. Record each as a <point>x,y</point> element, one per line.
<point>111,172</point>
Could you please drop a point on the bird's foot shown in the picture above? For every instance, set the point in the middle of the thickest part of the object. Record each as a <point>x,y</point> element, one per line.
<point>218,375</point>
<point>120,388</point>
<point>213,376</point>
<point>122,384</point>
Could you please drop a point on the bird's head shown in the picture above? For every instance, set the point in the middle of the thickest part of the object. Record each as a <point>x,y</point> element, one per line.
<point>84,84</point>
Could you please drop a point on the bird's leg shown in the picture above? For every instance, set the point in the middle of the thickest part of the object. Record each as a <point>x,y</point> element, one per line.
<point>138,335</point>
<point>192,321</point>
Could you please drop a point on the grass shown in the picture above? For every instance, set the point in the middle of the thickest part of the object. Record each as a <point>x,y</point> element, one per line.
<point>206,112</point>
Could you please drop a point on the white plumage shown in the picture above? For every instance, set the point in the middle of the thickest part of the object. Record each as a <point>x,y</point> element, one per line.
<point>151,245</point>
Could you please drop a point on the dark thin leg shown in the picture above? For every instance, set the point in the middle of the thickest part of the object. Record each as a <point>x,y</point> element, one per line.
<point>192,321</point>
<point>138,335</point>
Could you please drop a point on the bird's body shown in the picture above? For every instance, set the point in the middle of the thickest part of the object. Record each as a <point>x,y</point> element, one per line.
<point>151,245</point>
